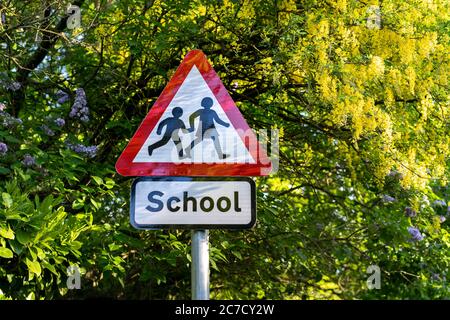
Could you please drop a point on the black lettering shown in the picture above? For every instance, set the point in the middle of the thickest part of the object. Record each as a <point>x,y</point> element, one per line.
<point>202,204</point>
<point>185,202</point>
<point>159,204</point>
<point>227,205</point>
<point>236,202</point>
<point>169,204</point>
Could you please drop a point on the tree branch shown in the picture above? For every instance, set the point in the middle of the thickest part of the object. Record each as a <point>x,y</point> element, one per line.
<point>48,41</point>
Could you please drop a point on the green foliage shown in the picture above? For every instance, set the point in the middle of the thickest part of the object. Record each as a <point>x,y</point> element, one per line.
<point>39,239</point>
<point>363,119</point>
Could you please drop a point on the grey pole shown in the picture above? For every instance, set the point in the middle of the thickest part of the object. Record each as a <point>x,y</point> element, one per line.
<point>200,265</point>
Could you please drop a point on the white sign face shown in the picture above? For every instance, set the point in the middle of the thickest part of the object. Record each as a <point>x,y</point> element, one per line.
<point>193,203</point>
<point>194,101</point>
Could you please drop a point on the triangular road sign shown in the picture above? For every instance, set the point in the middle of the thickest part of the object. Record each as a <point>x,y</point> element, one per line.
<point>194,129</point>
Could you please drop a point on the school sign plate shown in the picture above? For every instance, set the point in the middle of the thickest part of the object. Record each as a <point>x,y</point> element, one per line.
<point>193,203</point>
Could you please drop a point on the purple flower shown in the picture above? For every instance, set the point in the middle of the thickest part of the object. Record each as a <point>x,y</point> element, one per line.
<point>8,120</point>
<point>3,148</point>
<point>392,173</point>
<point>28,161</point>
<point>62,96</point>
<point>387,198</point>
<point>13,86</point>
<point>91,151</point>
<point>80,94</point>
<point>415,233</point>
<point>79,108</point>
<point>60,93</point>
<point>435,276</point>
<point>442,219</point>
<point>60,122</point>
<point>2,106</point>
<point>410,212</point>
<point>88,151</point>
<point>74,112</point>
<point>440,203</point>
<point>63,99</point>
<point>48,131</point>
<point>395,174</point>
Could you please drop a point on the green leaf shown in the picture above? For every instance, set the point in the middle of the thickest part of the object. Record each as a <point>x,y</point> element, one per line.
<point>129,240</point>
<point>4,170</point>
<point>70,176</point>
<point>40,253</point>
<point>78,204</point>
<point>16,246</point>
<point>6,232</point>
<point>7,200</point>
<point>214,265</point>
<point>23,237</point>
<point>6,253</point>
<point>114,246</point>
<point>109,183</point>
<point>50,267</point>
<point>33,254</point>
<point>12,139</point>
<point>260,294</point>
<point>237,254</point>
<point>33,266</point>
<point>96,204</point>
<point>31,296</point>
<point>46,205</point>
<point>98,180</point>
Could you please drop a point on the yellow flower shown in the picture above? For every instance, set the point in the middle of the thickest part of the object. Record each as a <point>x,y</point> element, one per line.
<point>327,86</point>
<point>411,76</point>
<point>376,66</point>
<point>406,50</point>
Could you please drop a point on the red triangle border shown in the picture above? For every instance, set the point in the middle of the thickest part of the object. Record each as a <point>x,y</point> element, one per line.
<point>125,165</point>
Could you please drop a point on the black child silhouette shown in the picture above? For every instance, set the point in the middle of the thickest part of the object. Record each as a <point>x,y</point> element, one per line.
<point>207,128</point>
<point>173,125</point>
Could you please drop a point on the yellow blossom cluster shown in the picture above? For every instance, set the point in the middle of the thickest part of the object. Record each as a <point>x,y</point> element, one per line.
<point>377,81</point>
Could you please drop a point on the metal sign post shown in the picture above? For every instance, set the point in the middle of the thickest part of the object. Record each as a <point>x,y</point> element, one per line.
<point>200,265</point>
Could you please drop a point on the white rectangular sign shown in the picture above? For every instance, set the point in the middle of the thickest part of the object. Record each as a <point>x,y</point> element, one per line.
<point>193,203</point>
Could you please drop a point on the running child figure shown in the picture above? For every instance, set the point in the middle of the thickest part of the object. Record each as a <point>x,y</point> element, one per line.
<point>207,128</point>
<point>173,126</point>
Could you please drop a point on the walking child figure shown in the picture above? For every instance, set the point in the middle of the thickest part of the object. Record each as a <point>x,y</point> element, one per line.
<point>173,125</point>
<point>207,128</point>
